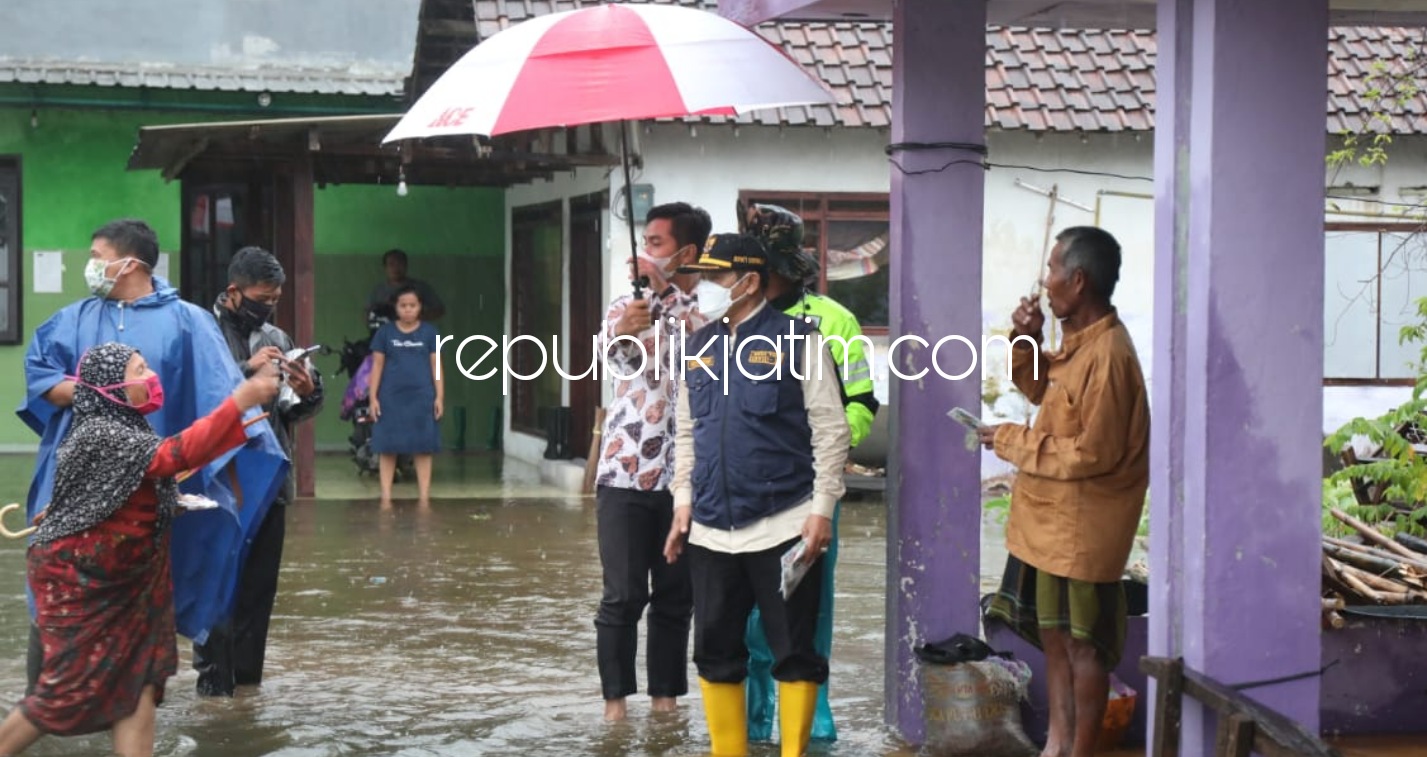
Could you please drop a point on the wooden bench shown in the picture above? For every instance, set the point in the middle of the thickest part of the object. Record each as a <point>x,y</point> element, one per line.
<point>1245,727</point>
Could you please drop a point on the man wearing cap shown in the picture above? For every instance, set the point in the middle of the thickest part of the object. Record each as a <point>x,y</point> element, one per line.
<point>761,442</point>
<point>790,268</point>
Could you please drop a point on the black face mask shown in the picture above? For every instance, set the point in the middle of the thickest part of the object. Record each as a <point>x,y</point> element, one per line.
<point>253,314</point>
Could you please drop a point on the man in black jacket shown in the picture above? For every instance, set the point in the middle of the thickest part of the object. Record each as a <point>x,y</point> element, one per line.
<point>233,655</point>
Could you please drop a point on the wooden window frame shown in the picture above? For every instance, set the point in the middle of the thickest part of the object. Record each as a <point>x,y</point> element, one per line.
<point>1380,228</point>
<point>522,392</point>
<point>817,206</point>
<point>14,333</point>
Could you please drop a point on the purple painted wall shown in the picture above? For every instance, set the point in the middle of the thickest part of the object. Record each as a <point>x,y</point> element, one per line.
<point>1379,684</point>
<point>1035,713</point>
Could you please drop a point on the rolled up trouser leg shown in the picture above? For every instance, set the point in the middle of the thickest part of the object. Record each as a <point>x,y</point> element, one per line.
<point>214,662</point>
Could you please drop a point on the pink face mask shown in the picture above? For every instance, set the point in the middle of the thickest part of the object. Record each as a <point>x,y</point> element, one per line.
<point>156,393</point>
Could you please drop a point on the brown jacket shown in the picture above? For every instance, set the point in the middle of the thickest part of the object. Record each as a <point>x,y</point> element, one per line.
<point>1084,467</point>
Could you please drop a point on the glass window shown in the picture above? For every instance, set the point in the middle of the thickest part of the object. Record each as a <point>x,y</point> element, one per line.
<point>855,268</point>
<point>11,282</point>
<point>1373,278</point>
<point>849,233</point>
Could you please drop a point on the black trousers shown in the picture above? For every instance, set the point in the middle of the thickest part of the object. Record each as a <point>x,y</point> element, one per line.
<point>726,588</point>
<point>632,526</point>
<point>235,650</point>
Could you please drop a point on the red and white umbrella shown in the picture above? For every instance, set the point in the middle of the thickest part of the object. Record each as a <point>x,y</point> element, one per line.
<point>609,63</point>
<point>619,62</point>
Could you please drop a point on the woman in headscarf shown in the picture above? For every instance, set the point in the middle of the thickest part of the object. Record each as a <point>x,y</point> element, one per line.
<point>99,562</point>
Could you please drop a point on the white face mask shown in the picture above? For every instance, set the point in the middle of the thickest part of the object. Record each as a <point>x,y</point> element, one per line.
<point>715,300</point>
<point>665,266</point>
<point>100,284</point>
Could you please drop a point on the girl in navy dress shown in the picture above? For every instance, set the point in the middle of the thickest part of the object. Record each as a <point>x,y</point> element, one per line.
<point>406,394</point>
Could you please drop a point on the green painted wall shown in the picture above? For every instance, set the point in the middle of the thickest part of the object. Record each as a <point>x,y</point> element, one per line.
<point>455,239</point>
<point>74,179</point>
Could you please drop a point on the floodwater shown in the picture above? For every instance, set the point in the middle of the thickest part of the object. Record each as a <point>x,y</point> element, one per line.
<point>467,629</point>
<point>463,629</point>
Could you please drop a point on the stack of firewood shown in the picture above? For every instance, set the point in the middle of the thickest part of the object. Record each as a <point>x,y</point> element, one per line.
<point>1374,570</point>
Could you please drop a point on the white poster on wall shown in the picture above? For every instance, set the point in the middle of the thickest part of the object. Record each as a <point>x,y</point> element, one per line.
<point>161,269</point>
<point>49,272</point>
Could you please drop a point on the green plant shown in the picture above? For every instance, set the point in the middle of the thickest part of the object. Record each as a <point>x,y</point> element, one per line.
<point>1000,507</point>
<point>1390,90</point>
<point>1400,473</point>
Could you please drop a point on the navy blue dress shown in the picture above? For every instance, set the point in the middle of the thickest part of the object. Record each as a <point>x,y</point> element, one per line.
<point>407,393</point>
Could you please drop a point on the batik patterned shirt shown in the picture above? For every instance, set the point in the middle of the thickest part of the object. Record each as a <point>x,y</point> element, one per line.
<point>637,448</point>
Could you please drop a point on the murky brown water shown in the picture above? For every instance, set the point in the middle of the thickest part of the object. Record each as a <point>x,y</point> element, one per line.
<point>463,630</point>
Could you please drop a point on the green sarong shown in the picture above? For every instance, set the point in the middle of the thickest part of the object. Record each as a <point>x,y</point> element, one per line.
<point>1030,600</point>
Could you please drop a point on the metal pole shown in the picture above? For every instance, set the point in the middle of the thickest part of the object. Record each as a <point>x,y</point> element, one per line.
<point>639,281</point>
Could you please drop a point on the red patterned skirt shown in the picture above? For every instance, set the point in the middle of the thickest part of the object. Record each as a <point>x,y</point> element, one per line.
<point>105,613</point>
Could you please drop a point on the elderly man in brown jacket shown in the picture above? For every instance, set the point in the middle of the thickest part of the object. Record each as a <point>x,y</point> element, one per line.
<point>1083,471</point>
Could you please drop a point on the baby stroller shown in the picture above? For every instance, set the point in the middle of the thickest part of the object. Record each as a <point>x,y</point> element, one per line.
<point>356,403</point>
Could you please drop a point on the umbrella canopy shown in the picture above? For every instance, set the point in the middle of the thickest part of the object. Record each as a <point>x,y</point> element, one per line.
<point>609,63</point>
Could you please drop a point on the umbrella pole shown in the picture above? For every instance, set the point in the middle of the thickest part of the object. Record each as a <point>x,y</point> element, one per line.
<point>639,281</point>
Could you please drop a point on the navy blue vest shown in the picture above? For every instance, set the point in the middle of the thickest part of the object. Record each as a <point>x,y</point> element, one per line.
<point>753,449</point>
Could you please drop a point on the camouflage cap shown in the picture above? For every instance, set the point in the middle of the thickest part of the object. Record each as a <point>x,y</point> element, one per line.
<point>781,232</point>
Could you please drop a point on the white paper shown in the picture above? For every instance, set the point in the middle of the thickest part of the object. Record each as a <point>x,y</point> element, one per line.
<point>224,212</point>
<point>966,418</point>
<point>161,270</point>
<point>49,272</point>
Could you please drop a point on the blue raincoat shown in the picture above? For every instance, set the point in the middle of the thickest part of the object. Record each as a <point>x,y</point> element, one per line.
<point>183,345</point>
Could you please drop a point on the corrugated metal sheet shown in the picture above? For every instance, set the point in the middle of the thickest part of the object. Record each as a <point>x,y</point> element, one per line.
<point>275,80</point>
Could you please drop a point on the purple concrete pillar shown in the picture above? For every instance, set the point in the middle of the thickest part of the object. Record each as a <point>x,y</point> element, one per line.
<point>1172,68</point>
<point>1240,280</point>
<point>933,535</point>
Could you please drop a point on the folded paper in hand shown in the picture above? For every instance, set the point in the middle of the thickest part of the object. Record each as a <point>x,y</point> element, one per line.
<point>965,418</point>
<point>794,568</point>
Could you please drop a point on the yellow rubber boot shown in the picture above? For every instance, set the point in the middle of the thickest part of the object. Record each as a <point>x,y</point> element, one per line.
<point>797,702</point>
<point>727,716</point>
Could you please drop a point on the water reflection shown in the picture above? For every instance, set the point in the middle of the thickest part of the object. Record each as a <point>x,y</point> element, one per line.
<point>463,629</point>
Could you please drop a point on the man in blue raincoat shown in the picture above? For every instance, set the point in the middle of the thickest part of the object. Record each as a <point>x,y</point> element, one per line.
<point>184,346</point>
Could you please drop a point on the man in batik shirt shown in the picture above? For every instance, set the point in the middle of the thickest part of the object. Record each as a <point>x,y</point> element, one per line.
<point>634,505</point>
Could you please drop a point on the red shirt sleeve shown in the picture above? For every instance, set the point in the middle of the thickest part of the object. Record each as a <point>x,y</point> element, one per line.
<point>201,443</point>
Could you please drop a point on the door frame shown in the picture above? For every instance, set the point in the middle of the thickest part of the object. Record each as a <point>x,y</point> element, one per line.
<point>586,313</point>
